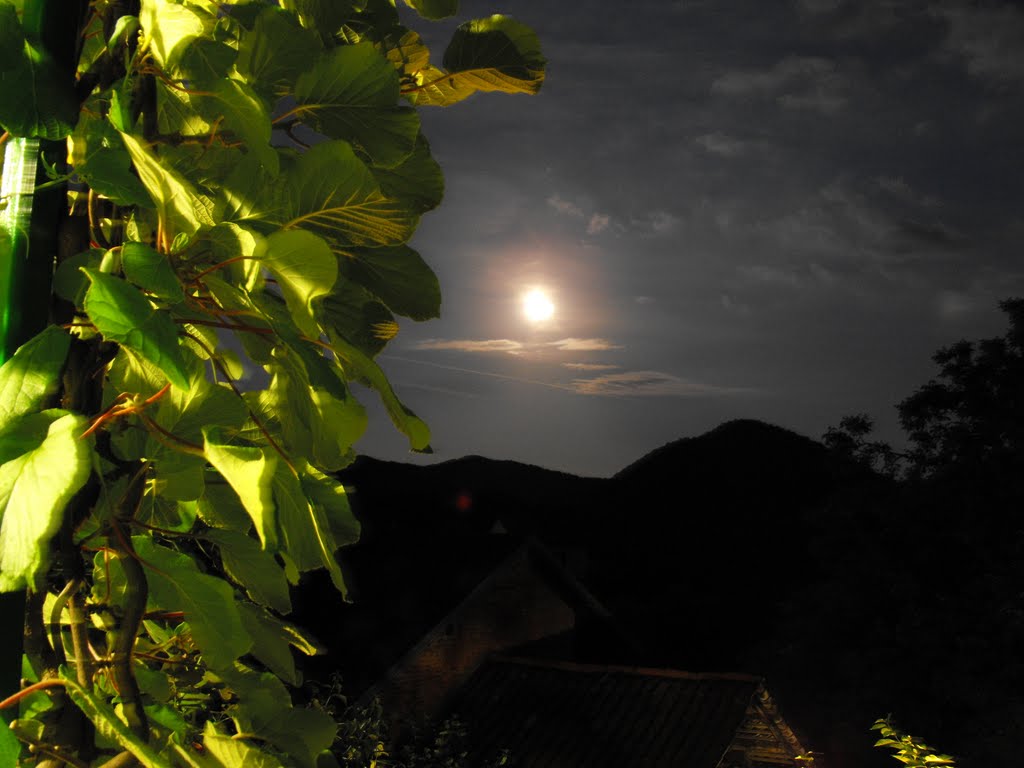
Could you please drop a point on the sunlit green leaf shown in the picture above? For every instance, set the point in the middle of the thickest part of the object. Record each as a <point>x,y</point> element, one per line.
<point>122,314</point>
<point>34,490</point>
<point>329,494</point>
<point>151,271</point>
<point>178,204</point>
<point>357,316</point>
<point>434,9</point>
<point>360,367</point>
<point>229,751</point>
<point>325,16</point>
<point>276,50</point>
<point>243,113</point>
<point>331,192</point>
<point>249,471</point>
<point>305,270</point>
<point>125,28</point>
<point>406,51</point>
<point>417,181</point>
<point>264,707</point>
<point>305,529</point>
<point>252,567</point>
<point>176,112</point>
<point>492,54</point>
<point>108,172</point>
<point>36,97</point>
<point>314,421</point>
<point>350,94</point>
<point>220,507</point>
<point>177,584</point>
<point>273,640</point>
<point>32,375</point>
<point>496,54</point>
<point>110,726</point>
<point>169,28</point>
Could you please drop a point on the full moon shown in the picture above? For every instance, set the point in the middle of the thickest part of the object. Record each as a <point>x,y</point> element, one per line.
<point>537,306</point>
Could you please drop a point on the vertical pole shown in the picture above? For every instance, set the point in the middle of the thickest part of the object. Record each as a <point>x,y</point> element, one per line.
<point>29,223</point>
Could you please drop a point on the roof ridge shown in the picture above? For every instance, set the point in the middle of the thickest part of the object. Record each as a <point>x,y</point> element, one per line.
<point>664,672</point>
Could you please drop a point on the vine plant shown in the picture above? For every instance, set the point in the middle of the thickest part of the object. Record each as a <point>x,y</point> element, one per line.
<point>242,181</point>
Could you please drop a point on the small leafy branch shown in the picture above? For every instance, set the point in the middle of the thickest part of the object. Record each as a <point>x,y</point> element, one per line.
<point>909,750</point>
<point>242,181</point>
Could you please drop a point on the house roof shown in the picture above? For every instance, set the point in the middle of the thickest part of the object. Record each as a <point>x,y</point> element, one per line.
<point>560,714</point>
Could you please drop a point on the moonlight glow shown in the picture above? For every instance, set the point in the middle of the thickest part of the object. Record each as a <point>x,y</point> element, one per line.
<point>537,306</point>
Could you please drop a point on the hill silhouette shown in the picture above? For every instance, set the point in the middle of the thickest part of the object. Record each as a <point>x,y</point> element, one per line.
<point>749,548</point>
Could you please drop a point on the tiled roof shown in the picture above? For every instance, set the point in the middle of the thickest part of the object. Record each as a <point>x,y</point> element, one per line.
<point>563,715</point>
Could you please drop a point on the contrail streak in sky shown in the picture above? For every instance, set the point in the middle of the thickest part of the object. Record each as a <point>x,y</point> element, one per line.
<point>519,379</point>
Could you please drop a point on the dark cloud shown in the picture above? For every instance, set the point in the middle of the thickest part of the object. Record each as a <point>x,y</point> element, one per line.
<point>810,198</point>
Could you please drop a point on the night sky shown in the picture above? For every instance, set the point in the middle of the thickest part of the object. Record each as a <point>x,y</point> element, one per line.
<point>775,210</point>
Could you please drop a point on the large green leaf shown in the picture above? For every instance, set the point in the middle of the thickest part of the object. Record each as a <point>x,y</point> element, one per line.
<point>10,749</point>
<point>398,276</point>
<point>277,49</point>
<point>305,528</point>
<point>34,490</point>
<point>357,316</point>
<point>110,726</point>
<point>176,112</point>
<point>264,707</point>
<point>220,507</point>
<point>32,375</point>
<point>122,314</point>
<point>332,193</point>
<point>350,94</point>
<point>180,207</point>
<point>273,640</point>
<point>417,181</point>
<point>330,495</point>
<point>434,9</point>
<point>360,367</point>
<point>230,752</point>
<point>314,422</point>
<point>170,28</point>
<point>181,414</point>
<point>496,54</point>
<point>36,97</point>
<point>249,471</point>
<point>151,271</point>
<point>243,113</point>
<point>108,172</point>
<point>492,54</point>
<point>253,567</point>
<point>324,16</point>
<point>177,584</point>
<point>305,270</point>
<point>406,51</point>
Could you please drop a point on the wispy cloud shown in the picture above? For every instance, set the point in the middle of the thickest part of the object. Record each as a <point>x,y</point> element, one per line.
<point>582,345</point>
<point>510,346</point>
<point>718,143</point>
<point>565,207</point>
<point>471,345</point>
<point>988,38</point>
<point>899,188</point>
<point>644,384</point>
<point>796,82</point>
<point>598,223</point>
<point>590,366</point>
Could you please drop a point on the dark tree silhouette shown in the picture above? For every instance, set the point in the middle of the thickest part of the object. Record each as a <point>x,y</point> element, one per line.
<point>970,420</point>
<point>966,424</point>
